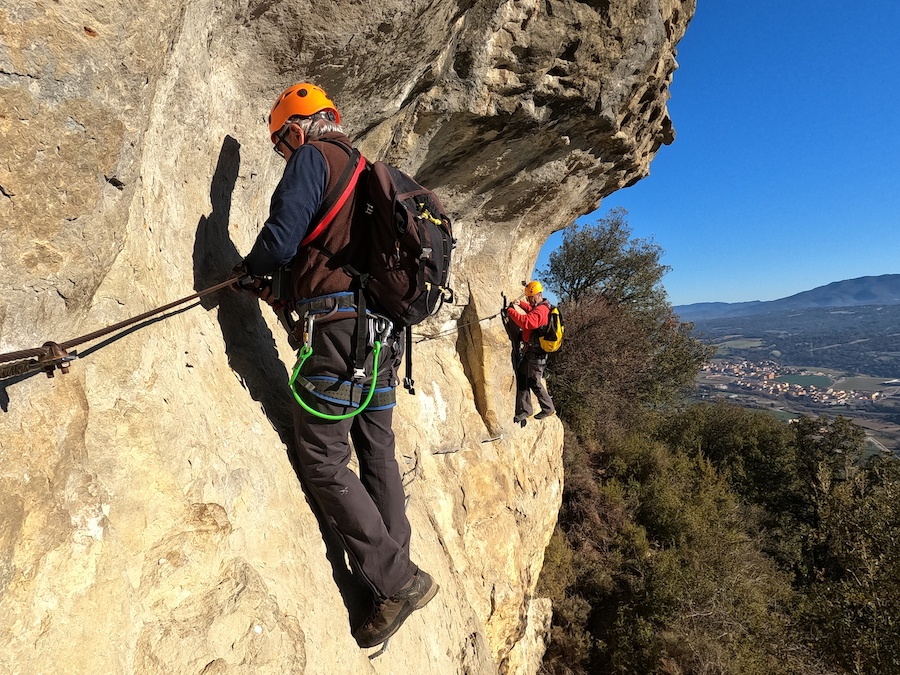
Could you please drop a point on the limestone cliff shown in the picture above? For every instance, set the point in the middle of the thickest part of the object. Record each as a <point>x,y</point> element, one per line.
<point>150,520</point>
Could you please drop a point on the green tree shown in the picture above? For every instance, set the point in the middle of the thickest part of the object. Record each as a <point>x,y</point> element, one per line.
<point>659,564</point>
<point>757,454</point>
<point>828,517</point>
<point>625,349</point>
<point>603,258</point>
<point>853,607</point>
<point>851,571</point>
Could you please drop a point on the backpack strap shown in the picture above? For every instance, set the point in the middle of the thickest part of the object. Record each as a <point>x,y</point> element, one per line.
<point>362,337</point>
<point>340,193</point>
<point>540,331</point>
<point>408,381</point>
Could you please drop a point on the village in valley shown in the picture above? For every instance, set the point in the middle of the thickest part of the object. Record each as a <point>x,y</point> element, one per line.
<point>788,391</point>
<point>770,379</point>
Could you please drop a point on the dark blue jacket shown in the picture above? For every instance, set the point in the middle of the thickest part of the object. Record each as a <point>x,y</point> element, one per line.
<point>294,203</point>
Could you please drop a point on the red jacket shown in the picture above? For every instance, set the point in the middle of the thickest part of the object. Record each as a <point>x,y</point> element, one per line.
<point>534,317</point>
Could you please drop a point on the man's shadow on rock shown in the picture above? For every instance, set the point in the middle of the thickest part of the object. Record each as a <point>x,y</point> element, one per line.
<point>252,354</point>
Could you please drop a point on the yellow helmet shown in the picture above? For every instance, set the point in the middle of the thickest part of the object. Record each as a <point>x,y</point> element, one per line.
<point>534,288</point>
<point>303,99</point>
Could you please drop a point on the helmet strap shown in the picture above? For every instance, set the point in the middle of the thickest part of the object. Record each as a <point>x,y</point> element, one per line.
<point>281,138</point>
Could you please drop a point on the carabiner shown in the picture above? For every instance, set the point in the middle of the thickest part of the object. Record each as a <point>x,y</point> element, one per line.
<point>308,332</point>
<point>382,327</point>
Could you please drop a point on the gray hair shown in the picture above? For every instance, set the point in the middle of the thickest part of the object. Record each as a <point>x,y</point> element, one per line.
<point>316,125</point>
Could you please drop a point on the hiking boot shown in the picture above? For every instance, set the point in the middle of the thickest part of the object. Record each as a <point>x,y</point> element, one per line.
<point>390,614</point>
<point>520,417</point>
<point>544,413</point>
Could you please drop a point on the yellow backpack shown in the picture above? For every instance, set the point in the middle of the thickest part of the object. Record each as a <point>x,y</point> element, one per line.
<point>551,335</point>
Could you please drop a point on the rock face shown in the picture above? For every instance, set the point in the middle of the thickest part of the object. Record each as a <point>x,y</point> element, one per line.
<point>150,520</point>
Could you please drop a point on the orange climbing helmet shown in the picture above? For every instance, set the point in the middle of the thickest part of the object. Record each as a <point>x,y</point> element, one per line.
<point>534,288</point>
<point>303,99</point>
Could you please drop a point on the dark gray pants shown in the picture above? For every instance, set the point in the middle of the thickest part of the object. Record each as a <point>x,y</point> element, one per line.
<point>368,511</point>
<point>530,378</point>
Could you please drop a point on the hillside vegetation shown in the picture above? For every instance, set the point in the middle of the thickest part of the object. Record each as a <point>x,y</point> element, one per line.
<point>703,539</point>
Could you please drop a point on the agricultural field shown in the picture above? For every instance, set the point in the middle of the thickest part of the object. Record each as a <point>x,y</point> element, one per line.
<point>818,381</point>
<point>864,384</point>
<point>727,346</point>
<point>783,415</point>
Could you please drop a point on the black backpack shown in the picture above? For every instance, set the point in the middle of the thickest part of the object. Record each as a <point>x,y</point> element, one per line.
<point>407,273</point>
<point>409,264</point>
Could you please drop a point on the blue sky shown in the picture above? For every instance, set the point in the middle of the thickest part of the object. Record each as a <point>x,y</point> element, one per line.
<point>785,172</point>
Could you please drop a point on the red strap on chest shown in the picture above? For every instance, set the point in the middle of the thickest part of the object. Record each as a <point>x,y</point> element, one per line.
<point>333,211</point>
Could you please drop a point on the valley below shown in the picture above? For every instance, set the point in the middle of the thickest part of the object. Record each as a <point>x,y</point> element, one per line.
<point>788,392</point>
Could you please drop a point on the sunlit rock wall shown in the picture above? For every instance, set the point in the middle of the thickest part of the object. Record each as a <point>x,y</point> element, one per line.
<point>150,520</point>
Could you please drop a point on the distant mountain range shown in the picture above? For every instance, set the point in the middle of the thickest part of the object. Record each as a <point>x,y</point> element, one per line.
<point>880,290</point>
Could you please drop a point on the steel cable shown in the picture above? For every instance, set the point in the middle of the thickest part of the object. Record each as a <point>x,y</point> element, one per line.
<point>45,350</point>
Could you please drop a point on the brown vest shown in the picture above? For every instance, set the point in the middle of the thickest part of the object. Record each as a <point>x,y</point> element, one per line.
<point>313,273</point>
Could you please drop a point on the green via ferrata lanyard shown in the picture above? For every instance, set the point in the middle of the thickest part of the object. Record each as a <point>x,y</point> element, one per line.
<point>304,353</point>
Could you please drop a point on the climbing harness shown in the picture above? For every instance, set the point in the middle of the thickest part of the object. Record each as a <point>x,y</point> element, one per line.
<point>382,327</point>
<point>53,356</point>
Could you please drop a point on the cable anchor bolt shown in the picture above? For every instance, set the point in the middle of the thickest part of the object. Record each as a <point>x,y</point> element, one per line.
<point>55,358</point>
